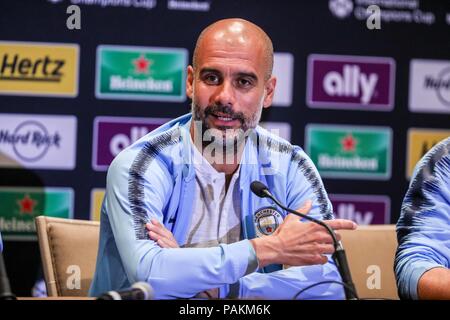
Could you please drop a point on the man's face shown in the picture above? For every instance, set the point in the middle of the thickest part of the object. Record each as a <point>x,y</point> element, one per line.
<point>228,88</point>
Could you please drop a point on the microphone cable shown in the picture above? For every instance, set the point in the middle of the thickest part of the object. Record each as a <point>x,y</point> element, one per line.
<point>348,287</point>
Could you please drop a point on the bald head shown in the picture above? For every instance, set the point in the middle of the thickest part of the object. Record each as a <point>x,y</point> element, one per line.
<point>237,32</point>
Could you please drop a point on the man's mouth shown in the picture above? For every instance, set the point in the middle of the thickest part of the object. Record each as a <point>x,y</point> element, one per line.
<point>223,117</point>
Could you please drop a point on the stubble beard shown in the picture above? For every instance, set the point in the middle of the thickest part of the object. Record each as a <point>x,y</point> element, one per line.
<point>226,138</point>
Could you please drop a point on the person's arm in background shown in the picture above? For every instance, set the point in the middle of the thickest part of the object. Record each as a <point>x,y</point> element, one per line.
<point>423,230</point>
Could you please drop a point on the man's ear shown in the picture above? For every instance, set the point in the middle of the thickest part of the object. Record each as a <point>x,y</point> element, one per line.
<point>190,82</point>
<point>270,91</point>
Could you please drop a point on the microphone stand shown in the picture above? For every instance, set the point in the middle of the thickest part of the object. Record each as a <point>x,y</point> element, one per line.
<point>5,289</point>
<point>339,256</point>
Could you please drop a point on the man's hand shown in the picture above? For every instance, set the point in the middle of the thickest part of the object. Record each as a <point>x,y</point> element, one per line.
<point>299,243</point>
<point>161,235</point>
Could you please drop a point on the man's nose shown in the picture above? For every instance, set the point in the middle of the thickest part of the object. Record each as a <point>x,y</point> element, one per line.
<point>224,94</point>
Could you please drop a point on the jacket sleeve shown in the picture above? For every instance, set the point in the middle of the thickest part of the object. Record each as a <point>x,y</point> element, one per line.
<point>303,183</point>
<point>423,227</point>
<point>132,199</point>
<point>287,283</point>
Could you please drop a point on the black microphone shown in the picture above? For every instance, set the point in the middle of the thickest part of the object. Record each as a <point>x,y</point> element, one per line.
<point>5,289</point>
<point>138,291</point>
<point>339,257</point>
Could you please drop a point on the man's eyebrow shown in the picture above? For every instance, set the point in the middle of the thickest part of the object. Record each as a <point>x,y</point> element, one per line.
<point>248,74</point>
<point>205,70</point>
<point>238,74</point>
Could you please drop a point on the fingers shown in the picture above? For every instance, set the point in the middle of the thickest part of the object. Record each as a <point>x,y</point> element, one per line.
<point>337,224</point>
<point>325,248</point>
<point>162,241</point>
<point>319,248</point>
<point>161,235</point>
<point>323,236</point>
<point>158,228</point>
<point>318,259</point>
<point>162,244</point>
<point>341,224</point>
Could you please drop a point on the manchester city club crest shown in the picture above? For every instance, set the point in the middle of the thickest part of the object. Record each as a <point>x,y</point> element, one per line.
<point>267,221</point>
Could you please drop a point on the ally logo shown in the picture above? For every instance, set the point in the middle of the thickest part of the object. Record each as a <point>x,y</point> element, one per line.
<point>113,134</point>
<point>350,82</point>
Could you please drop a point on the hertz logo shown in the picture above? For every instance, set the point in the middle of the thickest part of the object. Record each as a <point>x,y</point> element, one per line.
<point>24,69</point>
<point>39,69</point>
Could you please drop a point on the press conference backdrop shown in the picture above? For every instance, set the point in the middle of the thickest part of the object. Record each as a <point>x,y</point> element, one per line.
<point>76,88</point>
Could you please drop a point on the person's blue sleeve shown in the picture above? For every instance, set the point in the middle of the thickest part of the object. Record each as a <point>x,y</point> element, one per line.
<point>173,273</point>
<point>423,227</point>
<point>1,243</point>
<point>303,183</point>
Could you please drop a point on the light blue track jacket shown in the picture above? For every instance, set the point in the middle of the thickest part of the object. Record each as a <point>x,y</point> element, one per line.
<point>154,178</point>
<point>423,230</point>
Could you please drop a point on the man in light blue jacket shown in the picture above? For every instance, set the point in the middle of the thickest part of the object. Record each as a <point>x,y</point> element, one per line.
<point>178,211</point>
<point>422,261</point>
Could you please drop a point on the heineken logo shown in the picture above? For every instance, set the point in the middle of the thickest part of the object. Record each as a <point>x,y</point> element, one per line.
<point>19,206</point>
<point>349,151</point>
<point>143,73</point>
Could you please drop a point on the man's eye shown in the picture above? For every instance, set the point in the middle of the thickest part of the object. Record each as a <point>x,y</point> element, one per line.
<point>211,79</point>
<point>244,83</point>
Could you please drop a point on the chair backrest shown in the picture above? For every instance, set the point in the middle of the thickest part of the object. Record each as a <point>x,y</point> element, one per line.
<point>370,254</point>
<point>68,251</point>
